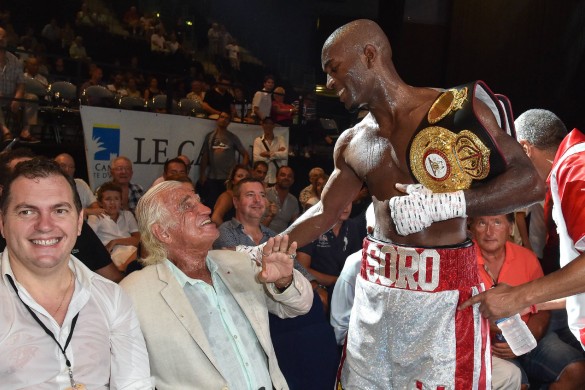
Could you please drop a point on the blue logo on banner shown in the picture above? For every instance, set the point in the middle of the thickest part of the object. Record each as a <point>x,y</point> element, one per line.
<point>107,140</point>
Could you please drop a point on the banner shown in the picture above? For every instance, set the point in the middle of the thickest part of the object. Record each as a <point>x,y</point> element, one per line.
<point>150,139</point>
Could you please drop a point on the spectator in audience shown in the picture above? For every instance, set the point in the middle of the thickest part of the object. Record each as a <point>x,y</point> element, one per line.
<point>219,99</point>
<point>51,32</point>
<point>244,228</point>
<point>85,17</point>
<point>67,36</point>
<point>259,170</point>
<point>361,201</point>
<point>242,108</point>
<point>324,257</point>
<point>58,71</point>
<point>132,20</point>
<point>262,101</point>
<point>95,79</point>
<point>218,155</point>
<point>152,89</point>
<point>132,88</point>
<point>88,247</point>
<point>117,86</point>
<point>271,149</point>
<point>172,45</point>
<point>287,205</point>
<point>319,185</point>
<point>175,166</point>
<point>200,332</point>
<point>223,210</point>
<point>248,197</point>
<point>88,200</point>
<point>501,261</point>
<point>77,50</point>
<point>310,191</point>
<point>157,41</point>
<point>214,41</point>
<point>197,91</point>
<point>121,173</point>
<point>281,111</point>
<point>31,109</point>
<point>344,291</point>
<point>45,288</point>
<point>12,86</point>
<point>117,229</point>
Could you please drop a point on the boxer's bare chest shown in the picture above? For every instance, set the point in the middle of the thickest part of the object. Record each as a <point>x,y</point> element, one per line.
<point>379,157</point>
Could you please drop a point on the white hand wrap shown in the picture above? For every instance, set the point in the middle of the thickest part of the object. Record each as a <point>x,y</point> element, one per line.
<point>421,207</point>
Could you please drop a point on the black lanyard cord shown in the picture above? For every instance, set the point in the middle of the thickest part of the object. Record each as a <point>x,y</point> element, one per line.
<point>47,331</point>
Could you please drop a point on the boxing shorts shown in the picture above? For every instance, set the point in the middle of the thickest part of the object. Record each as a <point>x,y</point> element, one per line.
<point>405,331</point>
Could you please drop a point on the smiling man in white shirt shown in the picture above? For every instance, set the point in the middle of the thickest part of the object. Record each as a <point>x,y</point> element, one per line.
<point>61,325</point>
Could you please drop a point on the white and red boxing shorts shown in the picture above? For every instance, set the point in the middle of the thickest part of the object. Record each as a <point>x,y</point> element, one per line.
<point>405,331</point>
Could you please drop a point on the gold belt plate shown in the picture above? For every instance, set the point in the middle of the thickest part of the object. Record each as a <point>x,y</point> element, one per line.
<point>444,161</point>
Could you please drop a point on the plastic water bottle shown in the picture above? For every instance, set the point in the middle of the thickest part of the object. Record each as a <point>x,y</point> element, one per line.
<point>517,334</point>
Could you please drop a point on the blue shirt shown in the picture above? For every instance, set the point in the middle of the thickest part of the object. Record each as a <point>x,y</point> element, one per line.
<point>231,234</point>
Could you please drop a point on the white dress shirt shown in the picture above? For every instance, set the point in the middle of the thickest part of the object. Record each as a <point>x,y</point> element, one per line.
<point>107,349</point>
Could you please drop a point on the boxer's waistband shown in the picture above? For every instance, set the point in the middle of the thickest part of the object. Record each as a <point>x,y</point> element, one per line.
<point>419,269</point>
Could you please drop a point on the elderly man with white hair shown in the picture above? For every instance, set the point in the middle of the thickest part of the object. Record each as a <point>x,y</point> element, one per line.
<point>204,313</point>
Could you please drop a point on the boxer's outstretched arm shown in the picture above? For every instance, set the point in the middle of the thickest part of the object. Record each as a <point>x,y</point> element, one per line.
<point>341,188</point>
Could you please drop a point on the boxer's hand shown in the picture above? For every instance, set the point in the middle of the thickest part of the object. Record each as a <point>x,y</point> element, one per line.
<point>421,207</point>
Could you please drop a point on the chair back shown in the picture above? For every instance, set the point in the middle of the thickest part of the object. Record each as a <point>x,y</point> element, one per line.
<point>62,93</point>
<point>159,103</point>
<point>97,95</point>
<point>132,103</point>
<point>35,87</point>
<point>190,107</point>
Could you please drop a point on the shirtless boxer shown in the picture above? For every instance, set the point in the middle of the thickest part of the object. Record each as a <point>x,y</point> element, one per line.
<point>405,331</point>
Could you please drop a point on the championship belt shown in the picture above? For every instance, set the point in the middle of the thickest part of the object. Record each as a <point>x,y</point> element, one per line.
<point>450,148</point>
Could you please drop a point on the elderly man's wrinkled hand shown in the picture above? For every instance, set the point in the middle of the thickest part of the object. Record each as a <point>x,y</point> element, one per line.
<point>277,261</point>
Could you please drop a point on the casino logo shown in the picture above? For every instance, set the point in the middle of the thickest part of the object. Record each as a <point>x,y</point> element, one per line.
<point>105,142</point>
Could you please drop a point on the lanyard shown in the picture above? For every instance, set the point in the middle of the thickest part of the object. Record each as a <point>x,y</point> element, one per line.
<point>494,280</point>
<point>47,331</point>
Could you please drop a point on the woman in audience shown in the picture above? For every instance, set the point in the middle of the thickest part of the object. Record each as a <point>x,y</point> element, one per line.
<point>319,184</point>
<point>152,89</point>
<point>224,206</point>
<point>118,229</point>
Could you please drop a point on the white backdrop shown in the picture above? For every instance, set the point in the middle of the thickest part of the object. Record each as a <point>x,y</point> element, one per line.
<point>148,140</point>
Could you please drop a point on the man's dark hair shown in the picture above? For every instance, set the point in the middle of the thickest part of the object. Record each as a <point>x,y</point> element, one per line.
<point>245,180</point>
<point>259,162</point>
<point>269,77</point>
<point>174,160</point>
<point>180,178</point>
<point>284,166</point>
<point>108,186</point>
<point>36,168</point>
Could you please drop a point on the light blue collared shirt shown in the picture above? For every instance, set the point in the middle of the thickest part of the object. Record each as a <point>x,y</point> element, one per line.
<point>242,361</point>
